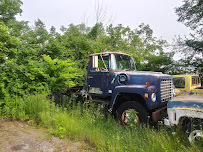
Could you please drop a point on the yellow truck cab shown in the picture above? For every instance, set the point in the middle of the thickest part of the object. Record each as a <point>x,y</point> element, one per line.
<point>187,84</point>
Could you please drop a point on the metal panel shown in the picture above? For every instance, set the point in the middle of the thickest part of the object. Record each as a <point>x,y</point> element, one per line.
<point>166,88</point>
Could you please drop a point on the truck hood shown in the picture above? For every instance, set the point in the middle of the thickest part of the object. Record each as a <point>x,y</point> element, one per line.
<point>143,73</point>
<point>141,77</point>
<point>187,102</point>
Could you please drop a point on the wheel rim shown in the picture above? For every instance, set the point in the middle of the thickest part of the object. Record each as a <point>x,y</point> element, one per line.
<point>127,121</point>
<point>196,135</point>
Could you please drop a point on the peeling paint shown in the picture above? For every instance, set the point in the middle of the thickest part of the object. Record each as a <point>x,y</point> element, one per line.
<point>190,106</point>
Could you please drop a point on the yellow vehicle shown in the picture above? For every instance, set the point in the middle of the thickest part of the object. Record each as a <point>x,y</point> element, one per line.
<point>187,84</point>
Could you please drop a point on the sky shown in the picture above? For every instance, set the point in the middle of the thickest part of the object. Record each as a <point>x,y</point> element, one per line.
<point>159,14</point>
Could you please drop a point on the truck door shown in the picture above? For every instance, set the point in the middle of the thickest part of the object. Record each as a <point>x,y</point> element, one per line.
<point>97,77</point>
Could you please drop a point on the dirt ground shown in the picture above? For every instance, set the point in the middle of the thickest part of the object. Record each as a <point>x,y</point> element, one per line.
<point>21,137</point>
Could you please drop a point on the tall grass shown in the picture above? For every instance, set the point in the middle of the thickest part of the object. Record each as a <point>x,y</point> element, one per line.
<point>86,122</point>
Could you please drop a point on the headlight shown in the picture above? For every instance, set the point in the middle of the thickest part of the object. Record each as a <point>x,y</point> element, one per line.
<point>122,79</point>
<point>153,97</point>
<point>173,92</point>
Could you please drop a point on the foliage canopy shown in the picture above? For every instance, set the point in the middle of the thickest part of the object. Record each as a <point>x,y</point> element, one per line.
<point>34,59</point>
<point>191,14</point>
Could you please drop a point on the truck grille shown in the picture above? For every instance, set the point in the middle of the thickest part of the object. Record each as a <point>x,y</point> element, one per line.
<point>166,89</point>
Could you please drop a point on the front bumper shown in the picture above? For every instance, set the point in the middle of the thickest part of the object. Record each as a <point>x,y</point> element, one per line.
<point>159,114</point>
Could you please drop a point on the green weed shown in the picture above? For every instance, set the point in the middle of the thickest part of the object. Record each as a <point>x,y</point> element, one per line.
<point>86,121</point>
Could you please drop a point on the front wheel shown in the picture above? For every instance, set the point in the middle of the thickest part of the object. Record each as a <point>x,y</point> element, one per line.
<point>193,129</point>
<point>132,114</point>
<point>196,136</point>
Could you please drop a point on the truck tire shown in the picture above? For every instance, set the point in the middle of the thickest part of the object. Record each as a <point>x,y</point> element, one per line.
<point>140,118</point>
<point>58,98</point>
<point>196,136</point>
<point>193,128</point>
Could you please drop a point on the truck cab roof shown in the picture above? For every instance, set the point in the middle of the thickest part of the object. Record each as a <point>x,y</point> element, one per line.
<point>185,75</point>
<point>107,53</point>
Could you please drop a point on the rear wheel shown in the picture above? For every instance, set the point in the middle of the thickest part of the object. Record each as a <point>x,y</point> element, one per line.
<point>132,114</point>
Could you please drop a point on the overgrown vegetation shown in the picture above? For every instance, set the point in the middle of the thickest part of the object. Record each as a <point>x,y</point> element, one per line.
<point>35,60</point>
<point>82,121</point>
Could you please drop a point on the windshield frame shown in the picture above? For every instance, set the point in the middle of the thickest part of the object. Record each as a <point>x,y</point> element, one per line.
<point>114,63</point>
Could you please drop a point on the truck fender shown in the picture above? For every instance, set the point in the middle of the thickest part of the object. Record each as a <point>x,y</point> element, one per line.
<point>138,89</point>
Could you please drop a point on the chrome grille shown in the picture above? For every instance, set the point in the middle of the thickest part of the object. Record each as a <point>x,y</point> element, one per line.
<point>166,88</point>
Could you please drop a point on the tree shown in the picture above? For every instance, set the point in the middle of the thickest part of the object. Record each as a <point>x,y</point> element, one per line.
<point>18,28</point>
<point>96,31</point>
<point>33,59</point>
<point>9,45</point>
<point>140,42</point>
<point>159,63</point>
<point>191,14</point>
<point>9,8</point>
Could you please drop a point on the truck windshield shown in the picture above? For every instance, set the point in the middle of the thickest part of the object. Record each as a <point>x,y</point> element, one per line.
<point>120,62</point>
<point>179,82</point>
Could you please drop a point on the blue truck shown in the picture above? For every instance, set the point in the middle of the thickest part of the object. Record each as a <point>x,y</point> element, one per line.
<point>112,80</point>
